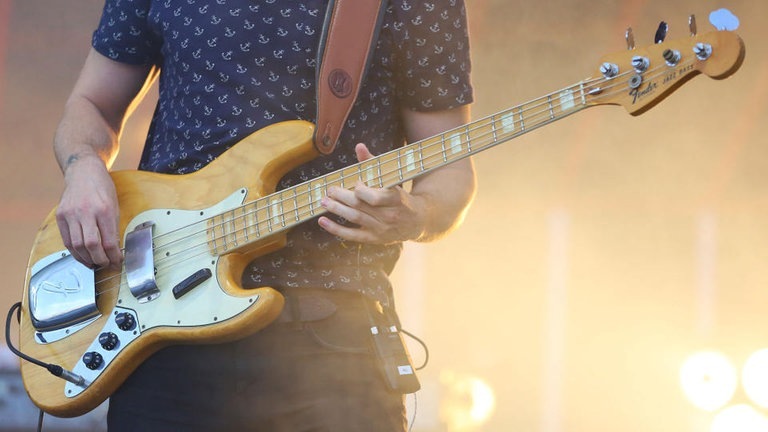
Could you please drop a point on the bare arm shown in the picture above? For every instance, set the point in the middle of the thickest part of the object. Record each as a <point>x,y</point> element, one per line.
<point>85,146</point>
<point>435,205</point>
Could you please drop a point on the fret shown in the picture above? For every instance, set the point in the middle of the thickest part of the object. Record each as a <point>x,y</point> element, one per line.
<point>399,165</point>
<point>280,207</point>
<point>246,239</point>
<point>421,155</point>
<point>493,128</point>
<point>551,109</point>
<point>479,134</point>
<point>233,228</point>
<point>211,231</point>
<point>255,218</point>
<point>583,96</point>
<point>469,140</point>
<point>378,168</point>
<point>223,237</point>
<point>522,122</point>
<point>296,205</point>
<point>442,148</point>
<point>342,176</point>
<point>268,208</point>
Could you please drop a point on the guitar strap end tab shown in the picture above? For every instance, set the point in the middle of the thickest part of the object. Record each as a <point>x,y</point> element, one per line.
<point>350,34</point>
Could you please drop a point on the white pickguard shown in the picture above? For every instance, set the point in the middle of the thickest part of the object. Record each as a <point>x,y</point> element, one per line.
<point>181,249</point>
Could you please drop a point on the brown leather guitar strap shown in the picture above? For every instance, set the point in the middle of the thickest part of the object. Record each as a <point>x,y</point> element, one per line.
<point>349,37</point>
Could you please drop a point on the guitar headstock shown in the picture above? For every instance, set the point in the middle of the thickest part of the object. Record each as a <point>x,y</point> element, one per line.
<point>639,78</point>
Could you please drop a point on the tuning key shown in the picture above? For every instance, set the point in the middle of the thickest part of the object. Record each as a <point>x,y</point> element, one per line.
<point>630,38</point>
<point>609,70</point>
<point>703,51</point>
<point>692,24</point>
<point>661,33</point>
<point>640,64</point>
<point>672,57</point>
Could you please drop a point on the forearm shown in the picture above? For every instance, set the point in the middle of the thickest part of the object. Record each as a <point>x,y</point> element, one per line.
<point>104,95</point>
<point>445,196</point>
<point>84,133</point>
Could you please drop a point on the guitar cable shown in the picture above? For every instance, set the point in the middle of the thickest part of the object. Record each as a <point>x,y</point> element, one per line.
<point>54,369</point>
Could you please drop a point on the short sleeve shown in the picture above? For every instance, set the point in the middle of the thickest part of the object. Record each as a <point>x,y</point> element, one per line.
<point>124,33</point>
<point>433,61</point>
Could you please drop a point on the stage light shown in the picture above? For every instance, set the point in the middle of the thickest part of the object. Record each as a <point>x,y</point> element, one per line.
<point>467,403</point>
<point>754,378</point>
<point>739,418</point>
<point>708,379</point>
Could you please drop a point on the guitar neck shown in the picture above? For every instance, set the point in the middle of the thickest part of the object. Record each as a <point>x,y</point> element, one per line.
<point>287,208</point>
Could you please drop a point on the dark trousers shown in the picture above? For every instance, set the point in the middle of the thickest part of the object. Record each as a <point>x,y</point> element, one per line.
<point>292,376</point>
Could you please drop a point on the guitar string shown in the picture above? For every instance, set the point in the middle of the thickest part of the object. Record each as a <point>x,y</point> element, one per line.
<point>314,209</point>
<point>501,114</point>
<point>291,194</point>
<point>485,140</point>
<point>492,118</point>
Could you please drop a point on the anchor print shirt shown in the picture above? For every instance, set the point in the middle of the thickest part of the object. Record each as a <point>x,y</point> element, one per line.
<point>231,67</point>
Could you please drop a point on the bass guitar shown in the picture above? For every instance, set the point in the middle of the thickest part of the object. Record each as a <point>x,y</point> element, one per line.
<point>187,238</point>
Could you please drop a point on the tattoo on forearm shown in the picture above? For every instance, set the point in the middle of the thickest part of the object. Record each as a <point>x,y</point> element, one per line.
<point>72,159</point>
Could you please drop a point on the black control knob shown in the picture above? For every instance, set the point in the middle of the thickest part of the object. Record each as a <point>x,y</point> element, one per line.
<point>93,360</point>
<point>125,321</point>
<point>108,340</point>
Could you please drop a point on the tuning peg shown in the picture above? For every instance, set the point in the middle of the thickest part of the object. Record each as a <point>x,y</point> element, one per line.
<point>661,33</point>
<point>692,24</point>
<point>630,38</point>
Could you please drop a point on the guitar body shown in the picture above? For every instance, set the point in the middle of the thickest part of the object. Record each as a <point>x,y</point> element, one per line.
<point>216,310</point>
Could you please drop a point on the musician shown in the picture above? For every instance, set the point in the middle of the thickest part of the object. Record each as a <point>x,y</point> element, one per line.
<point>227,68</point>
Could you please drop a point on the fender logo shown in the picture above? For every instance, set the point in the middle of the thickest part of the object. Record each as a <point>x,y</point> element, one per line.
<point>59,288</point>
<point>638,93</point>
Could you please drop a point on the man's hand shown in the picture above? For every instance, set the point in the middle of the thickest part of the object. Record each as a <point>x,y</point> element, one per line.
<point>88,213</point>
<point>382,216</point>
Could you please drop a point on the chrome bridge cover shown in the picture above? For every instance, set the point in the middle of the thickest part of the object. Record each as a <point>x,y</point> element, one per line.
<point>61,293</point>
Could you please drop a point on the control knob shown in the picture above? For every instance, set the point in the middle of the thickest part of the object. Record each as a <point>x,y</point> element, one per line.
<point>93,360</point>
<point>108,340</point>
<point>125,321</point>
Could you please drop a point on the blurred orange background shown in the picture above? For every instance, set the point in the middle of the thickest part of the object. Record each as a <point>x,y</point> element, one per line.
<point>601,253</point>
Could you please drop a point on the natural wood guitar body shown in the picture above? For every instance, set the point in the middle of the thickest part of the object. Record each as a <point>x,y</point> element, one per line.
<point>256,163</point>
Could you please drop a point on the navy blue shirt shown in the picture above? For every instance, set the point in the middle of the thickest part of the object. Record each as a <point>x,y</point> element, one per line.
<point>231,67</point>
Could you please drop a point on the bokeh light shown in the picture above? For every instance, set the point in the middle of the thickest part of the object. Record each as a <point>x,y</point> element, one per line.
<point>739,418</point>
<point>468,401</point>
<point>754,377</point>
<point>708,379</point>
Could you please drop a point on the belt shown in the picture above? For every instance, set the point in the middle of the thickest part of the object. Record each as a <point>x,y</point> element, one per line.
<point>305,305</point>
